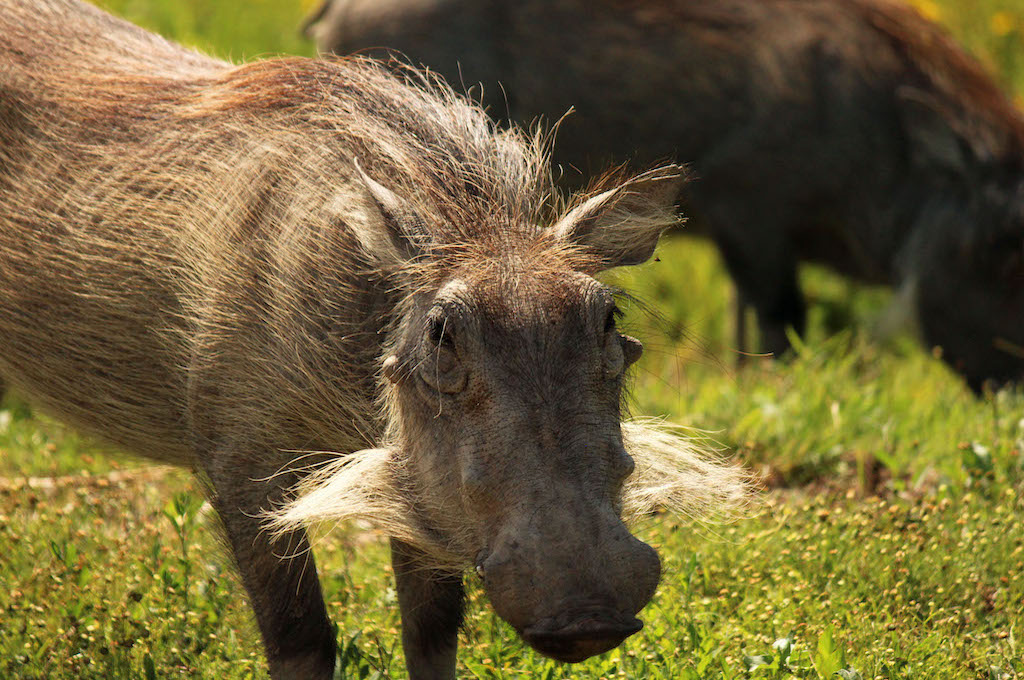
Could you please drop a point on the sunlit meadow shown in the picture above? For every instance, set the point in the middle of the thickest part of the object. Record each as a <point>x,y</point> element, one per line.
<point>889,542</point>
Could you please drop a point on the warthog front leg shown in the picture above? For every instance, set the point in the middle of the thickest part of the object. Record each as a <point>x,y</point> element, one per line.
<point>281,579</point>
<point>431,603</point>
<point>765,272</point>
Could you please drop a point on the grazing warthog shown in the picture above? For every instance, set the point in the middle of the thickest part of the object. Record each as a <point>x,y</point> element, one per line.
<point>225,266</point>
<point>849,132</point>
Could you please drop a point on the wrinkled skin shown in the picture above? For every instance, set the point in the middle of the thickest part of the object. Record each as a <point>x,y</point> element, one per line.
<point>512,387</point>
<point>822,130</point>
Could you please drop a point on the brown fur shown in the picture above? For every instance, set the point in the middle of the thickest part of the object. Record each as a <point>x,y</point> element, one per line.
<point>180,172</point>
<point>223,266</point>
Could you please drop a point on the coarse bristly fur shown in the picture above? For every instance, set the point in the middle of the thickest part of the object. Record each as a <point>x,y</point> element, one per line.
<point>219,266</point>
<point>148,193</point>
<point>126,178</point>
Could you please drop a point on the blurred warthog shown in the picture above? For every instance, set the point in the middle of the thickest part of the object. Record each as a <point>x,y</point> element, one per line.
<point>314,270</point>
<point>849,132</point>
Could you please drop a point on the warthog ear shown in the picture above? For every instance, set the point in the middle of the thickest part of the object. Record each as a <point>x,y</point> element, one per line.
<point>622,225</point>
<point>307,28</point>
<point>403,226</point>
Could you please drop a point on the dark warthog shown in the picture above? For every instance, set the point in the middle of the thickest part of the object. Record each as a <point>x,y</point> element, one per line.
<point>220,266</point>
<point>849,132</point>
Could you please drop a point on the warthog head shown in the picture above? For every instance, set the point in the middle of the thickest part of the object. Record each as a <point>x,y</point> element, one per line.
<point>503,386</point>
<point>510,389</point>
<point>964,265</point>
<point>970,302</point>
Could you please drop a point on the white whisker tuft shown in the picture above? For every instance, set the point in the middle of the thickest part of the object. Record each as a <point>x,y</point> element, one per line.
<point>364,486</point>
<point>681,474</point>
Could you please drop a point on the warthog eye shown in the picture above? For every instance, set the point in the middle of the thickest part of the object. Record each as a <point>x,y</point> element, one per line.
<point>613,314</point>
<point>441,368</point>
<point>439,333</point>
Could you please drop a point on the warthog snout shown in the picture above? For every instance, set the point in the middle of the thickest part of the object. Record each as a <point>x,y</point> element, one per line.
<point>572,592</point>
<point>586,634</point>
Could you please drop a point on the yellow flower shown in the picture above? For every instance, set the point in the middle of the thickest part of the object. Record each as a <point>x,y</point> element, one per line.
<point>1003,23</point>
<point>929,9</point>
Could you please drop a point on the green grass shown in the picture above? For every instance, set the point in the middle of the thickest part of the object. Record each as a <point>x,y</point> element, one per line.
<point>992,29</point>
<point>234,29</point>
<point>890,543</point>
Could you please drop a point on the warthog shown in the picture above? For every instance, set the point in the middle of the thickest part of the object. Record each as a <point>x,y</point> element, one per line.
<point>225,266</point>
<point>849,132</point>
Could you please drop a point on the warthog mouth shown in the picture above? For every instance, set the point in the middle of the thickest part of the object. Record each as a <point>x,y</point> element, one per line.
<point>588,635</point>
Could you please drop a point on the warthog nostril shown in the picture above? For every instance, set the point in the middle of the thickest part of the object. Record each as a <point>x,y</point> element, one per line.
<point>580,639</point>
